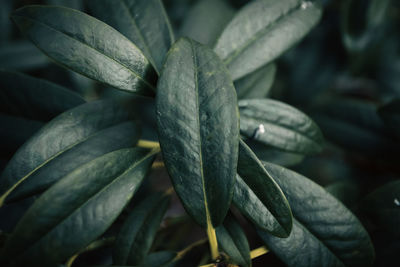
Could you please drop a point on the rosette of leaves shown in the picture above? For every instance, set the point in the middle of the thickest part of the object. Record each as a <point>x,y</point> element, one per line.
<point>84,166</point>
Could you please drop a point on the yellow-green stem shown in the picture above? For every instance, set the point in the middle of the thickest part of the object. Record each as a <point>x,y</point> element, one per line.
<point>148,144</point>
<point>258,252</point>
<point>212,239</point>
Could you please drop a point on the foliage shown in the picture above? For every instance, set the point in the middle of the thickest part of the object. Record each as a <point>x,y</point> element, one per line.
<point>166,136</point>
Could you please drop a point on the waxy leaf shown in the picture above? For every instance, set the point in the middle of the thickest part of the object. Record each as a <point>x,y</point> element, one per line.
<point>256,84</point>
<point>88,46</point>
<point>325,232</point>
<point>77,209</point>
<point>258,196</point>
<point>390,113</point>
<point>279,125</point>
<point>382,206</point>
<point>26,103</point>
<point>233,241</point>
<point>144,22</point>
<point>262,30</point>
<point>71,139</point>
<point>198,126</point>
<point>205,21</point>
<point>32,98</point>
<point>137,234</point>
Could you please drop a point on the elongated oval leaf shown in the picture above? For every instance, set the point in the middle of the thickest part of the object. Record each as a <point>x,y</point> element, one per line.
<point>258,196</point>
<point>382,206</point>
<point>233,241</point>
<point>137,234</point>
<point>69,140</point>
<point>279,125</point>
<point>144,22</point>
<point>87,46</point>
<point>256,84</point>
<point>262,30</point>
<point>32,98</point>
<point>198,126</point>
<point>325,232</point>
<point>62,223</point>
<point>205,21</point>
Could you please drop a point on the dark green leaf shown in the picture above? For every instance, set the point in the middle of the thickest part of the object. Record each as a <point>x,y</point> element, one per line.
<point>356,126</point>
<point>206,19</point>
<point>274,155</point>
<point>144,22</point>
<point>22,55</point>
<point>347,192</point>
<point>258,196</point>
<point>137,234</point>
<point>256,84</point>
<point>160,258</point>
<point>198,126</point>
<point>75,4</point>
<point>31,98</point>
<point>279,125</point>
<point>390,113</point>
<point>383,207</point>
<point>71,139</point>
<point>87,46</point>
<point>325,233</point>
<point>77,209</point>
<point>262,30</point>
<point>233,241</point>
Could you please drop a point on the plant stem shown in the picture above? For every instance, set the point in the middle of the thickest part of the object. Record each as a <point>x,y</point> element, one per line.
<point>212,239</point>
<point>158,164</point>
<point>258,252</point>
<point>184,251</point>
<point>148,144</point>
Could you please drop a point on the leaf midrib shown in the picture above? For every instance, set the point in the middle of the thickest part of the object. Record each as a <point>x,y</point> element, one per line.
<point>93,48</point>
<point>54,226</point>
<point>195,72</point>
<point>235,53</point>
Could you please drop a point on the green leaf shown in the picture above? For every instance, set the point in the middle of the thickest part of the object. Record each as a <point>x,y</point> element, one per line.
<point>205,21</point>
<point>256,84</point>
<point>32,98</point>
<point>198,126</point>
<point>356,126</point>
<point>325,232</point>
<point>274,155</point>
<point>390,114</point>
<point>259,197</point>
<point>77,209</point>
<point>161,258</point>
<point>233,241</point>
<point>262,30</point>
<point>382,206</point>
<point>22,55</point>
<point>279,125</point>
<point>71,139</point>
<point>88,46</point>
<point>144,22</point>
<point>137,233</point>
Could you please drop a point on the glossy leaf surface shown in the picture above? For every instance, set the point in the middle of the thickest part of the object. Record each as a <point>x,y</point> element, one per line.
<point>233,241</point>
<point>262,30</point>
<point>325,232</point>
<point>56,226</point>
<point>144,22</point>
<point>138,231</point>
<point>279,125</point>
<point>259,197</point>
<point>256,84</point>
<point>87,46</point>
<point>71,139</point>
<point>198,126</point>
